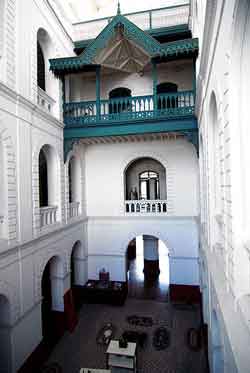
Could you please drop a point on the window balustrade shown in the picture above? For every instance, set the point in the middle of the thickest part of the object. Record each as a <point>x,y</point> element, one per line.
<point>166,105</point>
<point>44,100</point>
<point>146,207</point>
<point>74,209</point>
<point>48,215</point>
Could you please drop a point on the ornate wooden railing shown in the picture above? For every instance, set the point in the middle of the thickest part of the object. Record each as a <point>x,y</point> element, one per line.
<point>146,207</point>
<point>130,108</point>
<point>48,215</point>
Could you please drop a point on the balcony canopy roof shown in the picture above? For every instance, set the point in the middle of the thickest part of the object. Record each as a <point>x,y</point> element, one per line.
<point>122,46</point>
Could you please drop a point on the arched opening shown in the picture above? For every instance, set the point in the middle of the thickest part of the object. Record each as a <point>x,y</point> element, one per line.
<point>48,185</point>
<point>74,177</point>
<point>78,273</point>
<point>52,299</point>
<point>145,179</point>
<point>215,150</point>
<point>218,364</point>
<point>43,179</point>
<point>41,68</point>
<point>166,98</point>
<point>118,102</point>
<point>5,336</point>
<point>148,268</point>
<point>44,52</point>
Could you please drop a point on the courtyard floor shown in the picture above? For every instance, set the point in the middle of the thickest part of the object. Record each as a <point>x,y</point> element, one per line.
<point>80,349</point>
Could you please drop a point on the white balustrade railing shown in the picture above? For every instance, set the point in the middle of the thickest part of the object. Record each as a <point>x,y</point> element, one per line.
<point>146,206</point>
<point>177,14</point>
<point>74,209</point>
<point>44,100</point>
<point>48,215</point>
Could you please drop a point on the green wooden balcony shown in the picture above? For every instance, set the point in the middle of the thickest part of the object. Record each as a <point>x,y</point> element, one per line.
<point>130,109</point>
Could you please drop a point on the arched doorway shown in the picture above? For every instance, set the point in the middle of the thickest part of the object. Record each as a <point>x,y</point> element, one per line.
<point>5,342</point>
<point>148,268</point>
<point>166,98</point>
<point>118,102</point>
<point>52,301</point>
<point>77,274</point>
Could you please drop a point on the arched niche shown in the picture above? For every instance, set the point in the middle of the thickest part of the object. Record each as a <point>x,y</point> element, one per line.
<point>52,295</point>
<point>74,185</point>
<point>45,51</point>
<point>78,268</point>
<point>5,335</point>
<point>145,178</point>
<point>214,149</point>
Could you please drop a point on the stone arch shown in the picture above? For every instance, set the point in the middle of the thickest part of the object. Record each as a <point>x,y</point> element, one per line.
<point>170,171</point>
<point>57,273</point>
<point>42,261</point>
<point>44,40</point>
<point>141,165</point>
<point>50,47</point>
<point>78,264</point>
<point>148,231</point>
<point>9,213</point>
<point>55,173</point>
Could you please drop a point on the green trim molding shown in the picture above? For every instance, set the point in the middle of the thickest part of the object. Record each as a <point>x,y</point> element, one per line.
<point>186,126</point>
<point>61,66</point>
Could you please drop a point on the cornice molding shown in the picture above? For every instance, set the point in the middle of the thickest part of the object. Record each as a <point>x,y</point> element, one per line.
<point>31,106</point>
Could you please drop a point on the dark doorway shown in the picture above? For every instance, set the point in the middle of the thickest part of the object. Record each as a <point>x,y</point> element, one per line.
<point>139,286</point>
<point>47,318</point>
<point>43,179</point>
<point>164,102</point>
<point>122,105</point>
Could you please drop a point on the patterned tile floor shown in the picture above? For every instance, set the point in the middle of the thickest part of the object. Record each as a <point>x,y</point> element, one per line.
<point>80,349</point>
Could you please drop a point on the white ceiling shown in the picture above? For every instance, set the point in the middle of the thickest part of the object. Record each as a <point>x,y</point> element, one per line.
<point>82,10</point>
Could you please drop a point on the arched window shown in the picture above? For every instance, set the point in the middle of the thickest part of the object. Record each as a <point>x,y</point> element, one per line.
<point>215,151</point>
<point>149,185</point>
<point>164,102</point>
<point>145,179</point>
<point>74,177</point>
<point>70,180</point>
<point>40,67</point>
<point>43,179</point>
<point>118,106</point>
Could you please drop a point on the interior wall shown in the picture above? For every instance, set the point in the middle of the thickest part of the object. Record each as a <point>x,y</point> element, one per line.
<point>83,86</point>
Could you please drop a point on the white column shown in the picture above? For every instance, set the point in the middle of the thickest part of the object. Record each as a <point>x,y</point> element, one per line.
<point>150,248</point>
<point>80,271</point>
<point>57,292</point>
